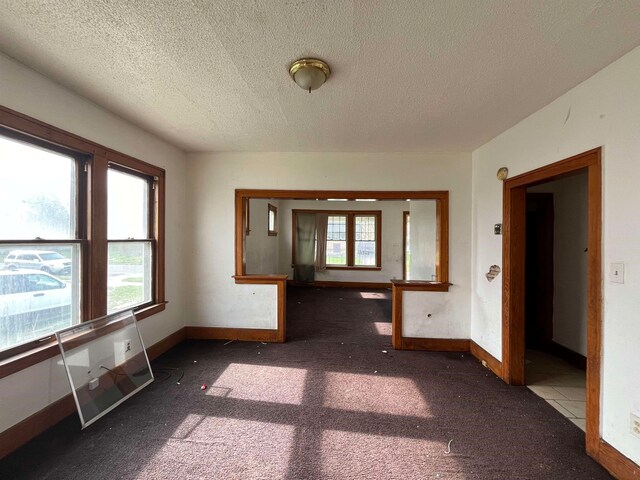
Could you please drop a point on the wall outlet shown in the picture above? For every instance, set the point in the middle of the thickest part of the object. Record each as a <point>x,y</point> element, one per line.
<point>93,383</point>
<point>616,273</point>
<point>635,425</point>
<point>127,346</point>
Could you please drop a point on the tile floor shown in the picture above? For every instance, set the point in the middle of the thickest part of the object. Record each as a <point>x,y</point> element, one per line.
<point>562,385</point>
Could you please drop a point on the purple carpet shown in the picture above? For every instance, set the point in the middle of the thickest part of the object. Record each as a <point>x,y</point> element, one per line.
<point>334,402</point>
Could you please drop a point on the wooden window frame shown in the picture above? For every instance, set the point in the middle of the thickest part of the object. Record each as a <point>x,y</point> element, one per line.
<point>351,236</point>
<point>151,181</point>
<point>442,217</point>
<point>91,226</point>
<point>274,209</point>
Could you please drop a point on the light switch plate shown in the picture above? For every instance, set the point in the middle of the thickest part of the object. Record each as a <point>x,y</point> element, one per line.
<point>616,273</point>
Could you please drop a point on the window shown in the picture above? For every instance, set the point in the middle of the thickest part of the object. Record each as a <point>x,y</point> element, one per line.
<point>130,242</point>
<point>72,250</point>
<point>337,240</point>
<point>40,231</point>
<point>406,246</point>
<point>365,241</point>
<point>353,239</point>
<point>272,221</point>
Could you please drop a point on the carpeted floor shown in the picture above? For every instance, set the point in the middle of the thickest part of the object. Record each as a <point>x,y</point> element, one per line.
<point>334,402</point>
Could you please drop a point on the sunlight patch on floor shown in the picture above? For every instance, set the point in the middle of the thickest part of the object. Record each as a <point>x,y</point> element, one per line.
<point>260,383</point>
<point>382,328</point>
<point>223,448</point>
<point>374,295</point>
<point>370,455</point>
<point>374,393</point>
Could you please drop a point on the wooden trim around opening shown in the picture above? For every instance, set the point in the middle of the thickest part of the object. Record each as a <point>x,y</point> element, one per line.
<point>442,213</point>
<point>407,343</point>
<point>513,252</point>
<point>22,432</point>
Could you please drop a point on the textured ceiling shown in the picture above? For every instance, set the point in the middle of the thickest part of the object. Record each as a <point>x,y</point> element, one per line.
<point>441,75</point>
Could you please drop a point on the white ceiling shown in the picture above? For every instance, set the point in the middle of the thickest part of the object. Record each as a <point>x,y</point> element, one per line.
<point>436,76</point>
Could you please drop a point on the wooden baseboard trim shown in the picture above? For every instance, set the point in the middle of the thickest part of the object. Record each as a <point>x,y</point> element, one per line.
<point>167,343</point>
<point>435,344</point>
<point>616,463</point>
<point>568,355</point>
<point>29,428</point>
<point>488,360</point>
<point>323,284</point>
<point>241,334</point>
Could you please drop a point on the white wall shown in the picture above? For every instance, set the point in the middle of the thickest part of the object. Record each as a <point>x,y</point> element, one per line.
<point>570,239</point>
<point>262,250</point>
<point>28,92</point>
<point>423,235</point>
<point>215,300</point>
<point>603,110</point>
<point>391,212</point>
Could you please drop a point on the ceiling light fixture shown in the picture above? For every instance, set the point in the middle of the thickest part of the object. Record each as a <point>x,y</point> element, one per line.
<point>309,73</point>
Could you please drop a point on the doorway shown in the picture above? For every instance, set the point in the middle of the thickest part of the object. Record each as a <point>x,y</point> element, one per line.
<point>514,306</point>
<point>556,294</point>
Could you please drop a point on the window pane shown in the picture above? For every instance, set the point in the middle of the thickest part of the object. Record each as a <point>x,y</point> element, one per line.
<point>37,197</point>
<point>336,252</point>
<point>336,228</point>
<point>130,280</point>
<point>365,240</point>
<point>407,248</point>
<point>39,291</point>
<point>272,220</point>
<point>366,253</point>
<point>128,208</point>
<point>337,240</point>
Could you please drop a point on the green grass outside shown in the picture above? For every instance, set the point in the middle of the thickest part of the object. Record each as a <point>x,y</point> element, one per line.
<point>118,298</point>
<point>133,279</point>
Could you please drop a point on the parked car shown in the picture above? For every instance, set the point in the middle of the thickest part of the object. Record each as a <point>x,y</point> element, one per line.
<point>32,304</point>
<point>45,260</point>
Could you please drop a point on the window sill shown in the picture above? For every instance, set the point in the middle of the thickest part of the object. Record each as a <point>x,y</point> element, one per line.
<point>421,285</point>
<point>50,349</point>
<point>363,268</point>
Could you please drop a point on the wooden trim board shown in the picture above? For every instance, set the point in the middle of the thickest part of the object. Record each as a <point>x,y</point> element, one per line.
<point>29,428</point>
<point>241,334</point>
<point>488,360</point>
<point>617,464</point>
<point>513,252</point>
<point>435,344</point>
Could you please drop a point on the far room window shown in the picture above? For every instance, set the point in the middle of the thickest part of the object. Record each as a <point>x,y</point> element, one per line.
<point>337,240</point>
<point>353,238</point>
<point>365,240</point>
<point>272,221</point>
<point>130,239</point>
<point>40,240</point>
